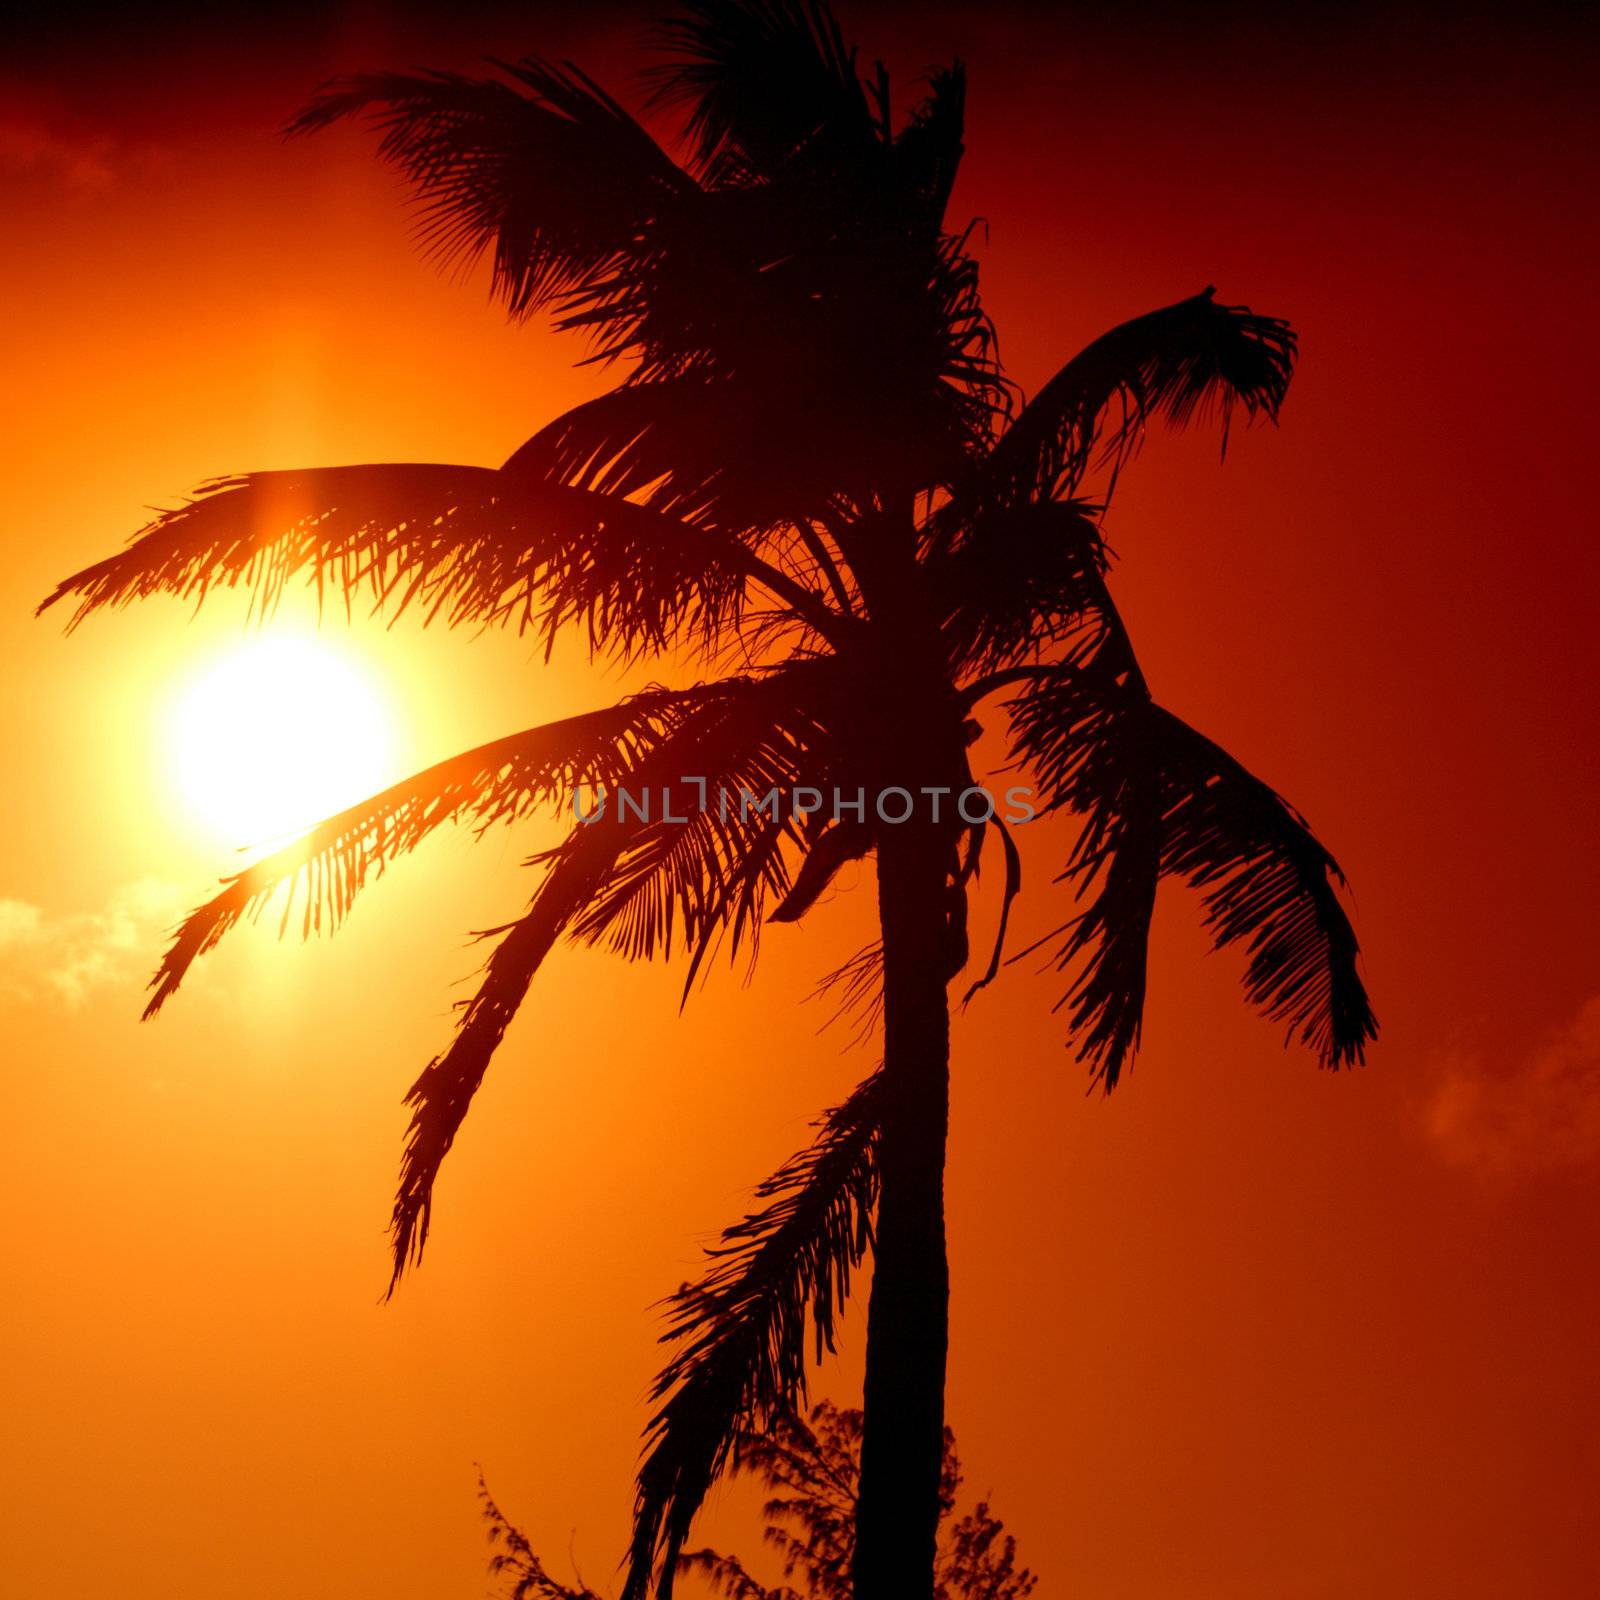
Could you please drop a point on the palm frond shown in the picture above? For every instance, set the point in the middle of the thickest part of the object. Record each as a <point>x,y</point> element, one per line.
<point>928,150</point>
<point>711,854</point>
<point>632,877</point>
<point>1159,799</point>
<point>840,842</point>
<point>544,171</point>
<point>705,449</point>
<point>349,528</point>
<point>973,384</point>
<point>1117,867</point>
<point>853,319</point>
<point>1019,584</point>
<point>776,1284</point>
<point>855,991</point>
<point>1077,728</point>
<point>585,215</point>
<point>704,876</point>
<point>499,782</point>
<point>459,544</point>
<point>786,370</point>
<point>1187,360</point>
<point>763,80</point>
<point>1269,884</point>
<point>443,1093</point>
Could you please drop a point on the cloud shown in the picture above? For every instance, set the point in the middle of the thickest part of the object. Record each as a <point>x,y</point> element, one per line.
<point>65,958</point>
<point>31,149</point>
<point>1536,1115</point>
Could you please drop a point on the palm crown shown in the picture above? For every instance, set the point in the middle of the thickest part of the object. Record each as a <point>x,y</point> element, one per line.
<point>812,465</point>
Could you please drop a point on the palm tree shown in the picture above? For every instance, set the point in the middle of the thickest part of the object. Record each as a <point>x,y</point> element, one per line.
<point>814,466</point>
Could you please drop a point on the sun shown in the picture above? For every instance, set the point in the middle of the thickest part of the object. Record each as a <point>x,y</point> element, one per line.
<point>276,735</point>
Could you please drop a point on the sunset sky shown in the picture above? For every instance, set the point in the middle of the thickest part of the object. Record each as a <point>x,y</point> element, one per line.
<point>1244,1329</point>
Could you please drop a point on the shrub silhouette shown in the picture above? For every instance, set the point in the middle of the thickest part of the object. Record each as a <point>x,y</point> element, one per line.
<point>814,1471</point>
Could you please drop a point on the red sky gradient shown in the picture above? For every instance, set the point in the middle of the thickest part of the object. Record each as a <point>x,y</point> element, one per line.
<point>1244,1329</point>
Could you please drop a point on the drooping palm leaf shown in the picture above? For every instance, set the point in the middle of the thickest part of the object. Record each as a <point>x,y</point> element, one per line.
<point>1117,864</point>
<point>1160,799</point>
<point>774,1288</point>
<point>629,873</point>
<point>441,1096</point>
<point>1183,361</point>
<point>497,782</point>
<point>855,991</point>
<point>1269,884</point>
<point>1077,727</point>
<point>708,878</point>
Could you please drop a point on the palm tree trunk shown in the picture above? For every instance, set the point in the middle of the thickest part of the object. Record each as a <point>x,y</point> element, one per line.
<point>908,1317</point>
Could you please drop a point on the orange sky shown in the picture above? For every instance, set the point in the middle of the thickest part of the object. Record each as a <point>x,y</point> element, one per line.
<point>1242,1330</point>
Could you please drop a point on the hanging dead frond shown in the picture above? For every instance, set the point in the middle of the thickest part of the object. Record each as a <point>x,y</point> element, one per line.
<point>840,842</point>
<point>1012,888</point>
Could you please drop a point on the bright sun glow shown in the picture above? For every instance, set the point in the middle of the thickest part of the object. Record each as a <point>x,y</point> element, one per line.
<point>277,735</point>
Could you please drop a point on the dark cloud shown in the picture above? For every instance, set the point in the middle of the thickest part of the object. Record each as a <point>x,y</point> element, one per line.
<point>1524,1117</point>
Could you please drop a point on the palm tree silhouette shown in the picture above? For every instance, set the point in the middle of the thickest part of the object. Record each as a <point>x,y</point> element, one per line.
<point>815,466</point>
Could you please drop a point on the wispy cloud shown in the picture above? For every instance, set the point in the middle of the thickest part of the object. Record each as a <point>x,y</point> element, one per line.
<point>30,148</point>
<point>1537,1114</point>
<point>65,957</point>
